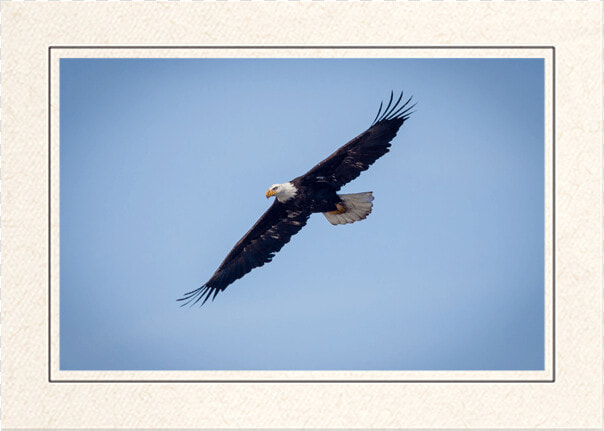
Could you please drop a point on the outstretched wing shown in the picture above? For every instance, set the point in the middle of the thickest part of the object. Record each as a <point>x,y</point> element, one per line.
<point>270,233</point>
<point>350,160</point>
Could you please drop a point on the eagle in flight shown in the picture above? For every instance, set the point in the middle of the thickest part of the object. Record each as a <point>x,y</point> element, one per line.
<point>314,192</point>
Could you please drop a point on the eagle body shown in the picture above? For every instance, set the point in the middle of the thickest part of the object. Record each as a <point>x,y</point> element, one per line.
<point>316,197</point>
<point>314,192</point>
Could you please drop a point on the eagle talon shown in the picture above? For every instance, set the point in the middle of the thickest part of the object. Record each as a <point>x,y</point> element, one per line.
<point>340,209</point>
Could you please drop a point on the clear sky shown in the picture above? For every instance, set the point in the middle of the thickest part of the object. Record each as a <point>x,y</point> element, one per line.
<point>165,165</point>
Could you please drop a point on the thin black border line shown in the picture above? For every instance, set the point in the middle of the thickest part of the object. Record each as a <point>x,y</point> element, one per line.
<point>299,47</point>
<point>554,214</point>
<point>551,47</point>
<point>49,215</point>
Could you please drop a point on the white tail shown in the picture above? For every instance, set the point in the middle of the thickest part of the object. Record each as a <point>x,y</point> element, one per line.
<point>358,207</point>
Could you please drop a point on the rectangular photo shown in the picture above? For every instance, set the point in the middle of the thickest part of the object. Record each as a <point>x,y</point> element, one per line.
<point>302,214</point>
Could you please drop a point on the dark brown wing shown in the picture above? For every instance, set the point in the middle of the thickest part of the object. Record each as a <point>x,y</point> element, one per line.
<point>350,160</point>
<point>270,233</point>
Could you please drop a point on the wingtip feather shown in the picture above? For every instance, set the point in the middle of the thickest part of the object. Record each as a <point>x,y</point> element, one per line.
<point>394,111</point>
<point>193,297</point>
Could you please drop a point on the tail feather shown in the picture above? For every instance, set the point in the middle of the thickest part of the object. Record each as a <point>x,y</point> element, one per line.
<point>358,207</point>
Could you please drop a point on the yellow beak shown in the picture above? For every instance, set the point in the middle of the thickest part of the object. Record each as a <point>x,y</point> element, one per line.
<point>270,193</point>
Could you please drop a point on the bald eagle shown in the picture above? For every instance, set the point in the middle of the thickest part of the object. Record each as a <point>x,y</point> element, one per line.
<point>313,192</point>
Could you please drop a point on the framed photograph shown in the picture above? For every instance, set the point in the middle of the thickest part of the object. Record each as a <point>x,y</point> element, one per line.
<point>275,228</point>
<point>180,152</point>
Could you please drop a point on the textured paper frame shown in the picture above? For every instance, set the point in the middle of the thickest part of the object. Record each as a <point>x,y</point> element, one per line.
<point>37,394</point>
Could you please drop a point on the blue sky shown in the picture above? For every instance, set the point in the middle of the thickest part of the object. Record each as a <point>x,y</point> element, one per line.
<point>165,164</point>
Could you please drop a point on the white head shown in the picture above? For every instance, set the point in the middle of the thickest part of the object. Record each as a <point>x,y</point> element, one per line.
<point>282,192</point>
